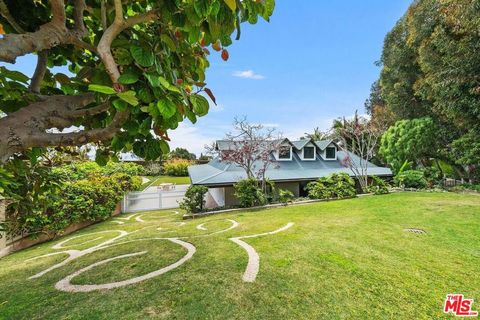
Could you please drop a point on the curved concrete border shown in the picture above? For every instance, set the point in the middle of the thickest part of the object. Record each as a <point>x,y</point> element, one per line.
<point>253,265</point>
<point>65,283</point>
<point>75,254</point>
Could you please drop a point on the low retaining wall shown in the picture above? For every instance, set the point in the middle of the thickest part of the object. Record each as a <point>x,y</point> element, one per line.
<point>8,247</point>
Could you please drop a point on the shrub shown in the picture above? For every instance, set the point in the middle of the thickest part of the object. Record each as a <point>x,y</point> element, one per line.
<point>82,170</point>
<point>122,182</point>
<point>249,193</point>
<point>285,196</point>
<point>338,185</point>
<point>176,167</point>
<point>378,186</point>
<point>411,179</point>
<point>474,187</point>
<point>89,199</point>
<point>76,171</point>
<point>433,176</point>
<point>83,200</point>
<point>194,199</point>
<point>129,168</point>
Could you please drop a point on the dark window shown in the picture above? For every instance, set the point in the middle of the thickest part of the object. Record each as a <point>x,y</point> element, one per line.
<point>330,152</point>
<point>284,152</point>
<point>309,153</point>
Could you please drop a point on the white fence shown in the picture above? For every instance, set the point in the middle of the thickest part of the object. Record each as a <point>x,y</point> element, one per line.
<point>153,199</point>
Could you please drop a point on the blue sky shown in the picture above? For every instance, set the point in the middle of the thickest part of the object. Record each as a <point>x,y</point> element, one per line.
<point>312,63</point>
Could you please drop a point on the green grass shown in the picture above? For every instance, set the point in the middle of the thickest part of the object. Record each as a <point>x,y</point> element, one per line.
<point>146,184</point>
<point>170,179</point>
<point>346,259</point>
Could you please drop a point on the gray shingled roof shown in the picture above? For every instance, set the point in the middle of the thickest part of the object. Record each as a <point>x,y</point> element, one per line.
<point>221,173</point>
<point>322,144</point>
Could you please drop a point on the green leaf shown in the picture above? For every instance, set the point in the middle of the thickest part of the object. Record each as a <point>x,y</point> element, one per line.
<point>142,57</point>
<point>153,79</point>
<point>145,126</point>
<point>129,97</point>
<point>167,108</point>
<point>201,7</point>
<point>139,149</point>
<point>117,143</point>
<point>200,104</point>
<point>119,104</point>
<point>128,78</point>
<point>14,75</point>
<point>215,8</point>
<point>191,116</point>
<point>164,146</point>
<point>167,85</point>
<point>101,157</point>
<point>168,41</point>
<point>101,89</point>
<point>268,5</point>
<point>152,148</point>
<point>145,95</point>
<point>215,29</point>
<point>163,82</point>
<point>232,4</point>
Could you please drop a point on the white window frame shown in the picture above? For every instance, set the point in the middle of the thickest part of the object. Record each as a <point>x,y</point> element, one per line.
<point>314,153</point>
<point>284,159</point>
<point>325,153</point>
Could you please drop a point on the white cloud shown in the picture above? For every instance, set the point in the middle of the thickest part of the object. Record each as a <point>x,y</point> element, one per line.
<point>188,136</point>
<point>248,74</point>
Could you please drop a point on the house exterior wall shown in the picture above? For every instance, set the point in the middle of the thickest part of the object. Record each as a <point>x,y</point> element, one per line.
<point>215,198</point>
<point>230,199</point>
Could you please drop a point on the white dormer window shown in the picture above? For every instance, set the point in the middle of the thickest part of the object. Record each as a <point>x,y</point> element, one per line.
<point>284,153</point>
<point>331,153</point>
<point>308,153</point>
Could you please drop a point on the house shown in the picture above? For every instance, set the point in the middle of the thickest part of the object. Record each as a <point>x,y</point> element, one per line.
<point>295,164</point>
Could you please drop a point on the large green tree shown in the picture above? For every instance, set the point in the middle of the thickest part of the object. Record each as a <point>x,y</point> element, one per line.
<point>134,67</point>
<point>431,67</point>
<point>409,140</point>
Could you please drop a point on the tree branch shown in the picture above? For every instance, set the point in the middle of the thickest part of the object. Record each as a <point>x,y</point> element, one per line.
<point>58,11</point>
<point>103,14</point>
<point>48,36</point>
<point>91,111</point>
<point>18,129</point>
<point>39,71</point>
<point>113,31</point>
<point>79,7</point>
<point>6,14</point>
<point>84,136</point>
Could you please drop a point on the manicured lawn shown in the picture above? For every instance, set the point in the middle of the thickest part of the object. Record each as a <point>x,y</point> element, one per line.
<point>170,179</point>
<point>348,259</point>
